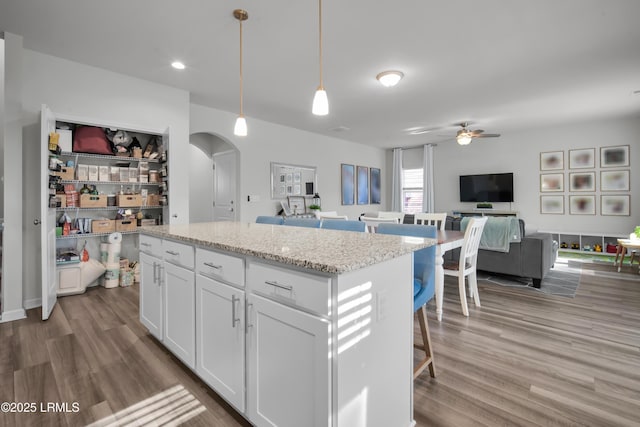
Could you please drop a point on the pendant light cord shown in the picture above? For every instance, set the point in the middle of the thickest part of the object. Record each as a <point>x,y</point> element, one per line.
<point>241,93</point>
<point>320,39</point>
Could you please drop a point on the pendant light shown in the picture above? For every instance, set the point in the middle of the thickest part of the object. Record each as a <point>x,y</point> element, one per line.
<point>320,101</point>
<point>240,129</point>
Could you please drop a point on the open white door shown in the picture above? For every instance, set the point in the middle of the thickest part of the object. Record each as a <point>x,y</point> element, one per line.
<point>224,186</point>
<point>47,219</point>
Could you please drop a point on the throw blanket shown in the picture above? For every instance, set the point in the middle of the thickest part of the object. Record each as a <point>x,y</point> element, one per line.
<point>498,233</point>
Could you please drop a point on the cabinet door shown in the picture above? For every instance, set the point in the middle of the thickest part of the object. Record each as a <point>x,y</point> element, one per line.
<point>179,312</point>
<point>151,294</point>
<point>220,338</point>
<point>288,366</point>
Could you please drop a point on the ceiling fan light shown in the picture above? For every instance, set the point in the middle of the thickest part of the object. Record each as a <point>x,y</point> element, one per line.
<point>464,139</point>
<point>390,78</point>
<point>240,129</point>
<point>320,105</point>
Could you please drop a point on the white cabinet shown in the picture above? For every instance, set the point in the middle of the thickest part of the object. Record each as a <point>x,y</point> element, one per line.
<point>288,366</point>
<point>151,295</point>
<point>179,309</point>
<point>220,339</point>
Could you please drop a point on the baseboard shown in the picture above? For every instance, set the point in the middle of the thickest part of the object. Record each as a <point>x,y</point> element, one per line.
<point>32,303</point>
<point>10,316</point>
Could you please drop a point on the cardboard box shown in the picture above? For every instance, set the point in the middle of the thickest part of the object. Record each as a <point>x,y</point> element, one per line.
<point>129,200</point>
<point>93,200</point>
<point>66,173</point>
<point>61,200</point>
<point>93,172</point>
<point>103,173</point>
<point>126,225</point>
<point>153,200</point>
<point>65,140</point>
<point>103,226</point>
<point>146,221</point>
<point>83,172</point>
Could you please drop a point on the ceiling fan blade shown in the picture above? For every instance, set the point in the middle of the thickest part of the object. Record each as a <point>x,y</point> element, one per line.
<point>487,135</point>
<point>476,132</point>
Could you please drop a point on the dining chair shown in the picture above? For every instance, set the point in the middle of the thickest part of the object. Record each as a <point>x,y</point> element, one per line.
<point>345,225</point>
<point>392,214</point>
<point>303,222</point>
<point>424,285</point>
<point>275,220</point>
<point>437,219</point>
<point>466,265</point>
<point>373,222</point>
<point>330,215</point>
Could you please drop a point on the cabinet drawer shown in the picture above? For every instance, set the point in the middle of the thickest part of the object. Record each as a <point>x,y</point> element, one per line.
<point>150,245</point>
<point>293,287</point>
<point>220,266</point>
<point>178,253</point>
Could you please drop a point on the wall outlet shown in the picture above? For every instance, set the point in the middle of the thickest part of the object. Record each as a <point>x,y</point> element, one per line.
<point>253,198</point>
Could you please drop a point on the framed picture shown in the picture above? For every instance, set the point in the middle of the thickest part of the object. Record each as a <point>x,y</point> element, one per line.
<point>614,180</point>
<point>374,178</point>
<point>552,160</point>
<point>582,181</point>
<point>614,156</point>
<point>582,159</point>
<point>582,205</point>
<point>347,183</point>
<point>552,205</point>
<point>297,204</point>
<point>615,205</point>
<point>551,182</point>
<point>363,185</point>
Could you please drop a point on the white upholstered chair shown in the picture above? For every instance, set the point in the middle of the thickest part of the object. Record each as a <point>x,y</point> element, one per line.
<point>437,219</point>
<point>466,266</point>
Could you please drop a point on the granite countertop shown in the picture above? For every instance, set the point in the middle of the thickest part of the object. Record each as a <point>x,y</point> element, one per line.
<point>328,251</point>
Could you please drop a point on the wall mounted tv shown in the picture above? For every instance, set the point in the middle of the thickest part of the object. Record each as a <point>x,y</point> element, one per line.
<point>492,187</point>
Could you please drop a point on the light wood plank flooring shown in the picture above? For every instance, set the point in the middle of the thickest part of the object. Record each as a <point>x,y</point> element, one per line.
<point>522,359</point>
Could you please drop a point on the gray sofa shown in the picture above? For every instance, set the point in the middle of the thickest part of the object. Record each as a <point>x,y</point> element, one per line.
<point>533,257</point>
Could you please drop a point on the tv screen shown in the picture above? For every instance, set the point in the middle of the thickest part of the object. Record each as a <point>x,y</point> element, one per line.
<point>493,187</point>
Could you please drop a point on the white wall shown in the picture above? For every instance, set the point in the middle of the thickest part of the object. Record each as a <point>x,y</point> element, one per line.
<point>268,142</point>
<point>73,89</point>
<point>520,153</point>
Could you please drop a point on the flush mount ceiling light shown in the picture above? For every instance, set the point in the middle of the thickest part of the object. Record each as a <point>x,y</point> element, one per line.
<point>390,78</point>
<point>240,129</point>
<point>320,101</point>
<point>177,65</point>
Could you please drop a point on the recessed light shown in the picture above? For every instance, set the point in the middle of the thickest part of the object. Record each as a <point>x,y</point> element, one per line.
<point>178,65</point>
<point>390,78</point>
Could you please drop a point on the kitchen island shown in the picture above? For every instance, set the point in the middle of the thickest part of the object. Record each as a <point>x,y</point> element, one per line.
<point>292,326</point>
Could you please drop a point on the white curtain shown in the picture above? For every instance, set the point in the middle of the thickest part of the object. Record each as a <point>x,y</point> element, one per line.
<point>396,181</point>
<point>428,204</point>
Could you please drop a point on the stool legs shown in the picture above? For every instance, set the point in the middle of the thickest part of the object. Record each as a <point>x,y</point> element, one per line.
<point>426,347</point>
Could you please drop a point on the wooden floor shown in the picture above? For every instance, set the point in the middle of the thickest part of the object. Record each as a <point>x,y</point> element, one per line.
<point>524,358</point>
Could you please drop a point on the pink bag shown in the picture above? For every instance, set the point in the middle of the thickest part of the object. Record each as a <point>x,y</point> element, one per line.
<point>91,139</point>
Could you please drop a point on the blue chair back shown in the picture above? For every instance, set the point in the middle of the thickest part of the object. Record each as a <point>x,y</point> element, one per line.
<point>424,260</point>
<point>276,220</point>
<point>303,222</point>
<point>345,225</point>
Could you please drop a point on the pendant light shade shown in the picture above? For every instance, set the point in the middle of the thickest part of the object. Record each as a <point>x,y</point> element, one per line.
<point>240,129</point>
<point>320,101</point>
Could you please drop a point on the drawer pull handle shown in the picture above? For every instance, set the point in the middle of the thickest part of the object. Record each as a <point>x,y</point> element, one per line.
<point>234,300</point>
<point>155,275</point>
<point>248,314</point>
<point>278,285</point>
<point>174,253</point>
<point>212,265</point>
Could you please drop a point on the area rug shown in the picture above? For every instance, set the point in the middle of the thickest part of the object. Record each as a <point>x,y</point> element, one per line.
<point>562,280</point>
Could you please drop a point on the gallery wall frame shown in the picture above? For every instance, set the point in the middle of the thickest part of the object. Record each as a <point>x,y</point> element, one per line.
<point>614,156</point>
<point>584,158</point>
<point>582,205</point>
<point>551,182</point>
<point>552,160</point>
<point>552,204</point>
<point>374,182</point>
<point>363,185</point>
<point>582,181</point>
<point>347,183</point>
<point>290,180</point>
<point>615,180</point>
<point>615,205</point>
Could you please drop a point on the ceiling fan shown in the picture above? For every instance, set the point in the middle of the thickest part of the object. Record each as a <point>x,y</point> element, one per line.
<point>464,135</point>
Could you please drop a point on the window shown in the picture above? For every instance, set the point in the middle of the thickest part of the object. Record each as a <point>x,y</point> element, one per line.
<point>412,181</point>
